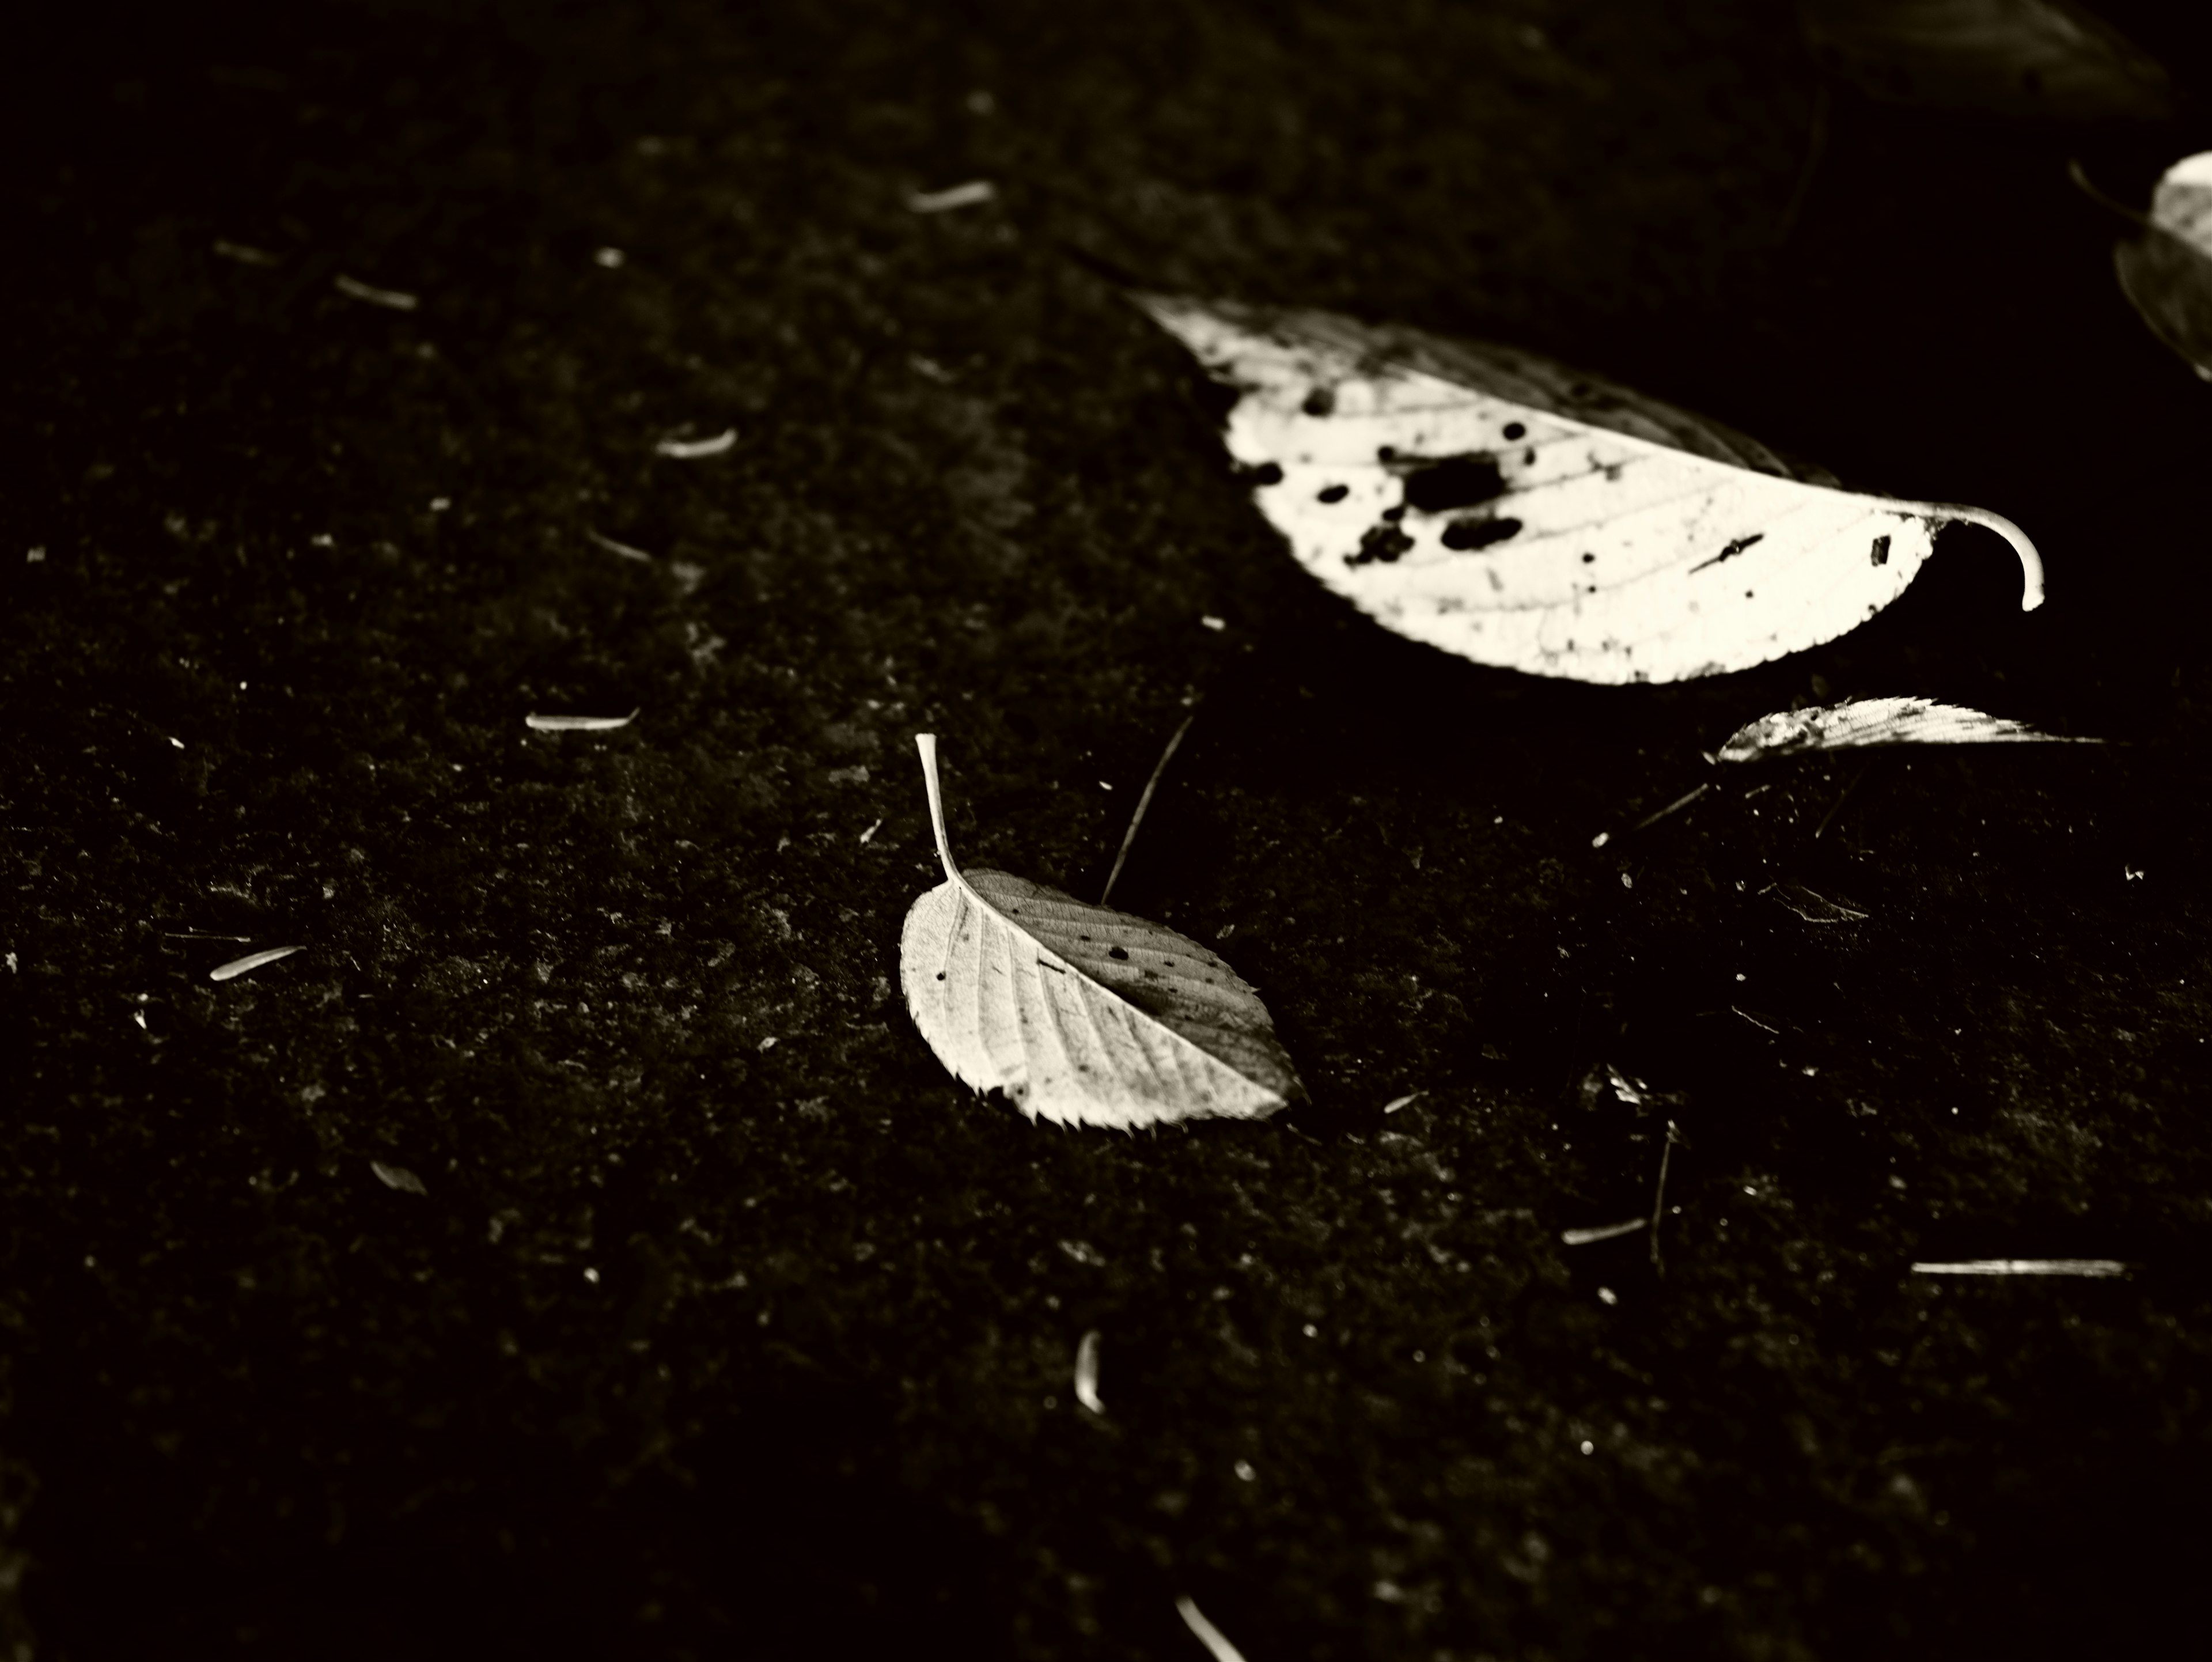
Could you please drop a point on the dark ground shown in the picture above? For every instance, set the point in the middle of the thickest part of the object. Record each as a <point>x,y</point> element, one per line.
<point>729,1325</point>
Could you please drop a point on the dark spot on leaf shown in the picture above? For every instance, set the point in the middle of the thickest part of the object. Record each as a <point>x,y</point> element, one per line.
<point>940,975</point>
<point>1513,430</point>
<point>1383,542</point>
<point>1463,534</point>
<point>1529,457</point>
<point>1880,551</point>
<point>1322,401</point>
<point>1731,550</point>
<point>1266,473</point>
<point>1332,493</point>
<point>1386,452</point>
<point>1083,937</point>
<point>1589,559</point>
<point>1394,514</point>
<point>1116,951</point>
<point>1454,482</point>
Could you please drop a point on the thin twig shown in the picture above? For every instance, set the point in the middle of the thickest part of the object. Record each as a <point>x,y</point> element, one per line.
<point>1659,1200</point>
<point>1815,147</point>
<point>1143,802</point>
<point>1674,807</point>
<point>1839,801</point>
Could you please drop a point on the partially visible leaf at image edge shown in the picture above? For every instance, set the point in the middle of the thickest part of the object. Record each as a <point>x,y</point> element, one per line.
<point>2166,273</point>
<point>1079,1014</point>
<point>1859,722</point>
<point>1518,513</point>
<point>2032,58</point>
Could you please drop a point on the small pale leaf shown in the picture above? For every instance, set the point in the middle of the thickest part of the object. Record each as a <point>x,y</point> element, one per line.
<point>578,723</point>
<point>251,961</point>
<point>1079,1014</point>
<point>1520,514</point>
<point>2049,59</point>
<point>397,1177</point>
<point>1878,721</point>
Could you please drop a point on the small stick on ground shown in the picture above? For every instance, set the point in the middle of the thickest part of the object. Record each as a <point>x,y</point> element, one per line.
<point>1674,807</point>
<point>1816,146</point>
<point>1143,802</point>
<point>1841,800</point>
<point>1659,1200</point>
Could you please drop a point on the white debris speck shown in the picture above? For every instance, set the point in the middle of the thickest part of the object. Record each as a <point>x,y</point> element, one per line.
<point>1396,1103</point>
<point>238,966</point>
<point>869,834</point>
<point>768,1044</point>
<point>1217,625</point>
<point>611,258</point>
<point>34,557</point>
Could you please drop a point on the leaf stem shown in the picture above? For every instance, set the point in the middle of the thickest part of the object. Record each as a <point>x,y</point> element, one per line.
<point>2031,563</point>
<point>926,744</point>
<point>1143,802</point>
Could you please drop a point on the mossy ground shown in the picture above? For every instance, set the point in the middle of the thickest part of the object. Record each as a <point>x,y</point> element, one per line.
<point>728,1325</point>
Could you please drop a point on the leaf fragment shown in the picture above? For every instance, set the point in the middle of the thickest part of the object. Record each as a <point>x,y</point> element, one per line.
<point>1086,1372</point>
<point>1859,722</point>
<point>1521,514</point>
<point>697,450</point>
<point>579,724</point>
<point>397,1177</point>
<point>238,966</point>
<point>2166,272</point>
<point>2046,59</point>
<point>1079,1014</point>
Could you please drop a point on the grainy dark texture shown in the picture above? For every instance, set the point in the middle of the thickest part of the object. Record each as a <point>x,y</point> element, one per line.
<point>728,1325</point>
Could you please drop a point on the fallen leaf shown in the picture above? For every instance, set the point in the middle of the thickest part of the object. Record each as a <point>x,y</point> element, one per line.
<point>2035,58</point>
<point>1814,908</point>
<point>1877,721</point>
<point>397,1177</point>
<point>2166,273</point>
<point>578,723</point>
<point>1520,514</point>
<point>1086,1372</point>
<point>1082,1014</point>
<point>238,966</point>
<point>973,194</point>
<point>695,450</point>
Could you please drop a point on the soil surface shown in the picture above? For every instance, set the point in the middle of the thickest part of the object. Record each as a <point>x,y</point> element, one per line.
<point>574,1250</point>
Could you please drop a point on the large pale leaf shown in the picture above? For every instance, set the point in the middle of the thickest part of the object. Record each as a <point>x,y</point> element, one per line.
<point>2166,273</point>
<point>1080,1014</point>
<point>1518,513</point>
<point>2034,59</point>
<point>1860,722</point>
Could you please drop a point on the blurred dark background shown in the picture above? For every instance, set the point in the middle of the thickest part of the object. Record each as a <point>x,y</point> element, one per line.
<point>726,1323</point>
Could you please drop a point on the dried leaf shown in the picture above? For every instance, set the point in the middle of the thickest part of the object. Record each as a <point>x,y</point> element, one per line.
<point>1521,514</point>
<point>1086,1372</point>
<point>578,723</point>
<point>697,450</point>
<point>2166,273</point>
<point>1858,721</point>
<point>238,966</point>
<point>1814,908</point>
<point>2036,58</point>
<point>1080,1014</point>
